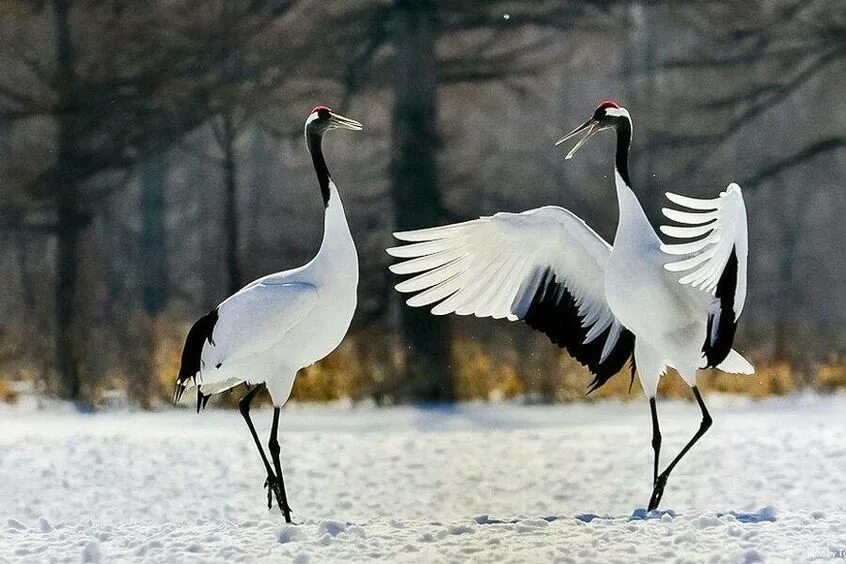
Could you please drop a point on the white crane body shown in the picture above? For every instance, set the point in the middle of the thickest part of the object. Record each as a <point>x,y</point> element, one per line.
<point>286,321</point>
<point>273,327</point>
<point>659,305</point>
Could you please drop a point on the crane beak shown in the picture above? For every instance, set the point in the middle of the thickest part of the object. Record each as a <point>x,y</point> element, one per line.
<point>590,127</point>
<point>337,121</point>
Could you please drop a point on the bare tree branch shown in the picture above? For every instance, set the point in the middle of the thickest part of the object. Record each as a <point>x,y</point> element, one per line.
<point>805,154</point>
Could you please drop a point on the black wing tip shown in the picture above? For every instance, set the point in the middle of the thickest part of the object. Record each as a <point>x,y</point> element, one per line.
<point>553,311</point>
<point>633,364</point>
<point>594,385</point>
<point>600,379</point>
<point>601,376</point>
<point>178,390</point>
<point>717,350</point>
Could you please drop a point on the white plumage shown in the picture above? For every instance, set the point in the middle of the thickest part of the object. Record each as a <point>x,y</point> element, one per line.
<point>720,225</point>
<point>493,267</point>
<point>285,321</point>
<point>662,305</point>
<point>275,326</point>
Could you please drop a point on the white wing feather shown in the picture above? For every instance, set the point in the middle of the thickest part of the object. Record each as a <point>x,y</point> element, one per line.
<point>722,221</point>
<point>254,320</point>
<point>493,267</point>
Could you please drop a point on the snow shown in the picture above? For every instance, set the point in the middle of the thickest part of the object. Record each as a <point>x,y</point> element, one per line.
<point>476,482</point>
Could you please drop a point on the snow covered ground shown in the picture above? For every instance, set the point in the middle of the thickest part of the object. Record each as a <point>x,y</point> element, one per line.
<point>475,483</point>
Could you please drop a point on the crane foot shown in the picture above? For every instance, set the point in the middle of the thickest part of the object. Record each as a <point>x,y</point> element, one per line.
<point>274,488</point>
<point>657,492</point>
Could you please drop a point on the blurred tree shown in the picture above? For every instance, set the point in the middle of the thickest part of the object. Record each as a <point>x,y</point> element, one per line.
<point>70,219</point>
<point>153,255</point>
<point>114,104</point>
<point>776,54</point>
<point>480,91</point>
<point>414,181</point>
<point>434,45</point>
<point>773,52</point>
<point>244,39</point>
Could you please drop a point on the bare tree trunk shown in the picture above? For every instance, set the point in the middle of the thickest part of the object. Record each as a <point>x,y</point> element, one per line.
<point>153,248</point>
<point>261,180</point>
<point>230,205</point>
<point>414,184</point>
<point>70,335</point>
<point>638,58</point>
<point>154,282</point>
<point>788,324</point>
<point>38,328</point>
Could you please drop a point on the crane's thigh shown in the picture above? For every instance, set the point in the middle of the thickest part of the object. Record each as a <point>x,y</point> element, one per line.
<point>650,366</point>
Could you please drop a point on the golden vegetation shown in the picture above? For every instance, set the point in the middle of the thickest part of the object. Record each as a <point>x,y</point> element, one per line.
<point>831,376</point>
<point>168,353</point>
<point>479,376</point>
<point>485,369</point>
<point>7,394</point>
<point>346,373</point>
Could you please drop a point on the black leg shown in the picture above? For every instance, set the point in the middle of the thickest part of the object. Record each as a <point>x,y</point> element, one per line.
<point>658,490</point>
<point>281,496</point>
<point>244,408</point>
<point>656,439</point>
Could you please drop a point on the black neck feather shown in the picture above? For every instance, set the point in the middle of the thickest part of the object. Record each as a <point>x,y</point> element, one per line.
<point>624,141</point>
<point>314,140</point>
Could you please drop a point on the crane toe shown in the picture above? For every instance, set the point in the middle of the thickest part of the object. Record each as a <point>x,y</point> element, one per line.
<point>657,492</point>
<point>274,488</point>
<point>269,489</point>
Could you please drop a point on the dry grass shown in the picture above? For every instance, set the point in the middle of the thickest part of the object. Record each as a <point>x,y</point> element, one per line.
<point>168,340</point>
<point>831,376</point>
<point>480,376</point>
<point>485,369</point>
<point>346,373</point>
<point>7,394</point>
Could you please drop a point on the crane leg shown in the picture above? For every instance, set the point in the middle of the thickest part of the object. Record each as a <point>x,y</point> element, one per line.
<point>656,439</point>
<point>244,408</point>
<point>279,485</point>
<point>658,489</point>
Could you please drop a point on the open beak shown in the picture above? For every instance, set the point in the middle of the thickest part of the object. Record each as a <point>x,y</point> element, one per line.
<point>589,127</point>
<point>340,122</point>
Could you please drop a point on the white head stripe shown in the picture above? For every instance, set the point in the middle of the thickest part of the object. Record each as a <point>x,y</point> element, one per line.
<point>617,112</point>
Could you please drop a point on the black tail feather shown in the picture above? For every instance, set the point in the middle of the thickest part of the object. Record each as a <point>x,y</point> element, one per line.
<point>202,399</point>
<point>554,312</point>
<point>192,353</point>
<point>634,369</point>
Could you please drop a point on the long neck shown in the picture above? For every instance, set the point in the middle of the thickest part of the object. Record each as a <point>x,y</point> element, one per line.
<point>624,142</point>
<point>337,239</point>
<point>633,227</point>
<point>314,141</point>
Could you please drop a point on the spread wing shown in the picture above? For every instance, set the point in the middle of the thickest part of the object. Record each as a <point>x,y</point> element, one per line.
<point>544,266</point>
<point>715,248</point>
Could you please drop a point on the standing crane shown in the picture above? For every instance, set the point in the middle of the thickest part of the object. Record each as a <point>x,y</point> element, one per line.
<point>270,329</point>
<point>661,305</point>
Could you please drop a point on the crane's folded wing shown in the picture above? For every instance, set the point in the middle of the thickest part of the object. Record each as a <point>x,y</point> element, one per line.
<point>256,319</point>
<point>543,266</point>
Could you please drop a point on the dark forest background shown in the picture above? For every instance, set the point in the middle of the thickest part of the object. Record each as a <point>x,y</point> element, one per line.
<point>152,162</point>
